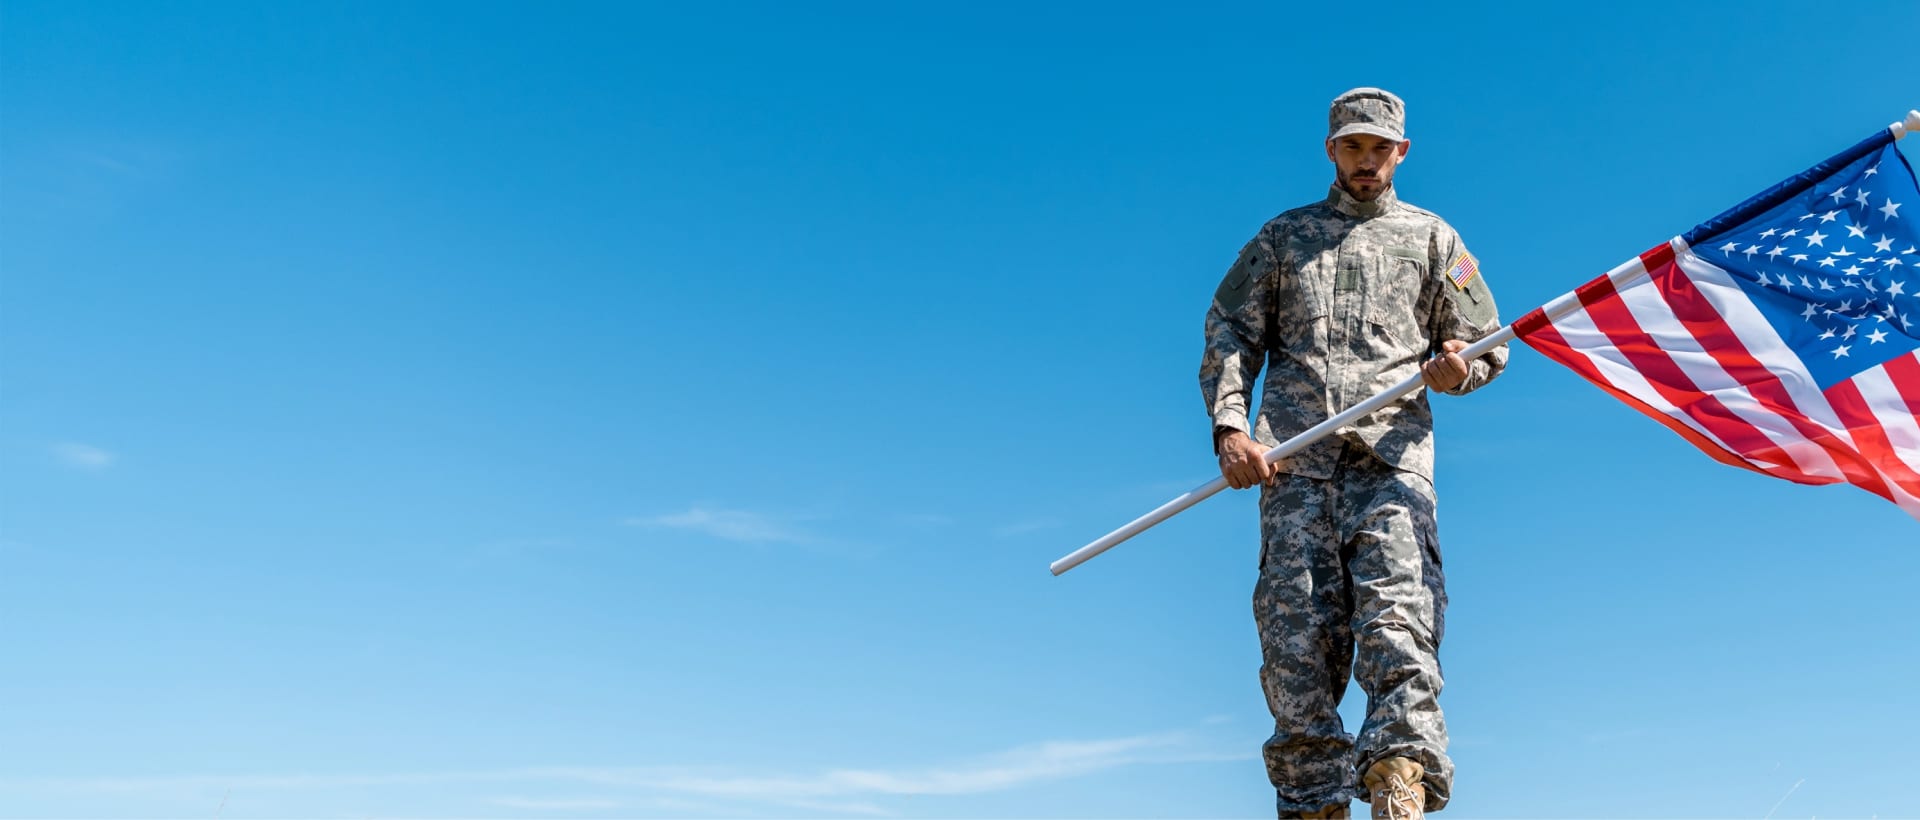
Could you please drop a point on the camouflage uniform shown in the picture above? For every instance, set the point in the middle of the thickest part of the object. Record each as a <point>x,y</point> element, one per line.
<point>1340,300</point>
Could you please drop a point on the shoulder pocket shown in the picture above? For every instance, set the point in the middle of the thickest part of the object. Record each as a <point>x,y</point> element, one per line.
<point>1253,262</point>
<point>1475,302</point>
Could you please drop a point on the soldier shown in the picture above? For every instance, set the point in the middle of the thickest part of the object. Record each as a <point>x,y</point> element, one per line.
<point>1339,300</point>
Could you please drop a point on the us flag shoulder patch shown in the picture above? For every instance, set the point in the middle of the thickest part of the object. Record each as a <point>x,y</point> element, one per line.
<point>1462,269</point>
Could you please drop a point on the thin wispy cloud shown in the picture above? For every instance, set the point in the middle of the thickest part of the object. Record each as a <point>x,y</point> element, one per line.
<point>82,456</point>
<point>844,791</point>
<point>563,804</point>
<point>1624,734</point>
<point>924,519</point>
<point>515,547</point>
<point>731,525</point>
<point>103,161</point>
<point>1024,527</point>
<point>135,160</point>
<point>842,809</point>
<point>1052,760</point>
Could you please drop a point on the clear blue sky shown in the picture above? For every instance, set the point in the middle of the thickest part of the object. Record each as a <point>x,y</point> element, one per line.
<point>632,410</point>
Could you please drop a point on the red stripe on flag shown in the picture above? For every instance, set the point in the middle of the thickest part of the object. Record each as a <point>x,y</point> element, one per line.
<point>1905,375</point>
<point>1547,340</point>
<point>1531,323</point>
<point>1701,319</point>
<point>1870,437</point>
<point>1611,316</point>
<point>1657,257</point>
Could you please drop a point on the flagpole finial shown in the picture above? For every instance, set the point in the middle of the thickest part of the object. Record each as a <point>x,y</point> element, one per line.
<point>1910,125</point>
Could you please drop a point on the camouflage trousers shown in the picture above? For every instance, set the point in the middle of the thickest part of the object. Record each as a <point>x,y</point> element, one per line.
<point>1350,562</point>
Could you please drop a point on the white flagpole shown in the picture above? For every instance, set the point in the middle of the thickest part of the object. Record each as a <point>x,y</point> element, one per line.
<point>1555,309</point>
<point>1906,126</point>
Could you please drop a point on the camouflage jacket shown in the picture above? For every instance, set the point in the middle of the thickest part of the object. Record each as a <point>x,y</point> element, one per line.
<point>1339,300</point>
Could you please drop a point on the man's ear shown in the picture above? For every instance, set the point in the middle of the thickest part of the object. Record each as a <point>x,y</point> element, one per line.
<point>1330,150</point>
<point>1404,145</point>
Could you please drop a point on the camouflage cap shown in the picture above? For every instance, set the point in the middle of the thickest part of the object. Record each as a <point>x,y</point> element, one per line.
<point>1368,111</point>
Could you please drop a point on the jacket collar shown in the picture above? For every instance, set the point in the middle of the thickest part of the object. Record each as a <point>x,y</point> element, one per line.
<point>1339,200</point>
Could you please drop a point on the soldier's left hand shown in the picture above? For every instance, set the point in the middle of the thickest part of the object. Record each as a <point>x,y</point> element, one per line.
<point>1447,370</point>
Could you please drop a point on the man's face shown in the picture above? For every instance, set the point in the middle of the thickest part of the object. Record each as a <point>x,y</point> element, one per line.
<point>1364,163</point>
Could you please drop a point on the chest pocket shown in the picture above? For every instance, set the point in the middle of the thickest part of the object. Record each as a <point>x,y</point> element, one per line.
<point>1307,285</point>
<point>1393,293</point>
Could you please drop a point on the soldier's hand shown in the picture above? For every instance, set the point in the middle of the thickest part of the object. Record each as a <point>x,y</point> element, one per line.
<point>1447,370</point>
<point>1241,461</point>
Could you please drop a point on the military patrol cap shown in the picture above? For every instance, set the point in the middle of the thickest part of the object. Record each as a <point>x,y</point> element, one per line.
<point>1368,111</point>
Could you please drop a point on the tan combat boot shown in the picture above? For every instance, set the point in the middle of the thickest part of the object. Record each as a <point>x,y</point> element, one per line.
<point>1337,811</point>
<point>1396,789</point>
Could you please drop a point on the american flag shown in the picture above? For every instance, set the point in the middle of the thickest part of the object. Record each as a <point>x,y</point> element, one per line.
<point>1463,269</point>
<point>1779,336</point>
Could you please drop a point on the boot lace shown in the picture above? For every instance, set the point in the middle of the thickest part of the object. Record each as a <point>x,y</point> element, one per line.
<point>1402,803</point>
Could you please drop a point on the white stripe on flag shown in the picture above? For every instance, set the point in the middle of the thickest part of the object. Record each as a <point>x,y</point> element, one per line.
<point>1891,409</point>
<point>1760,339</point>
<point>1903,430</point>
<point>1656,318</point>
<point>1583,338</point>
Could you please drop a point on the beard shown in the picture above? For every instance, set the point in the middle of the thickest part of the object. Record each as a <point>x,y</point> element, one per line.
<point>1379,184</point>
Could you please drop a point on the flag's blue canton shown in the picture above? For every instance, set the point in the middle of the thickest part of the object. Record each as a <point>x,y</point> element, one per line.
<point>1835,270</point>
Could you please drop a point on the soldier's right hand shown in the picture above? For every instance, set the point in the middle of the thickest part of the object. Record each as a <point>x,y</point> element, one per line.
<point>1242,461</point>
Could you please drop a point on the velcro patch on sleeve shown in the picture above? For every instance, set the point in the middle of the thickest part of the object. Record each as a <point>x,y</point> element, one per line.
<point>1232,293</point>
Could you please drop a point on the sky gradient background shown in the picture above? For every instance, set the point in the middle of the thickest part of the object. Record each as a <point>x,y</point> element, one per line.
<point>632,410</point>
